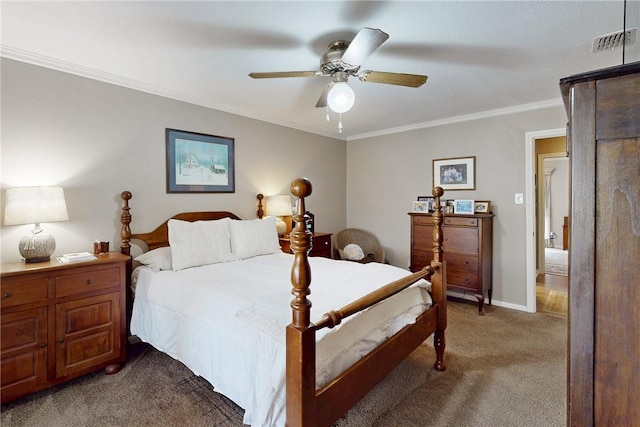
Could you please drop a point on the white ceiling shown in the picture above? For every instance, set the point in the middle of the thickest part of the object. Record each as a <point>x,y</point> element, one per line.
<point>480,56</point>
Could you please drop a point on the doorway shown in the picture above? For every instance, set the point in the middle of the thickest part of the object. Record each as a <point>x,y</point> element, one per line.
<point>552,244</point>
<point>535,239</point>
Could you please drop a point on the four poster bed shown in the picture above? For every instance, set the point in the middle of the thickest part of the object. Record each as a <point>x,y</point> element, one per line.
<point>231,318</point>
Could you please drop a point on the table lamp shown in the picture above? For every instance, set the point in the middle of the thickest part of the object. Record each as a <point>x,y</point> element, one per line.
<point>34,205</point>
<point>280,207</point>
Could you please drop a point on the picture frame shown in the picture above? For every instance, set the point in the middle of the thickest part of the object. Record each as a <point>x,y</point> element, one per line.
<point>482,206</point>
<point>199,163</point>
<point>431,201</point>
<point>457,173</point>
<point>463,207</point>
<point>420,206</point>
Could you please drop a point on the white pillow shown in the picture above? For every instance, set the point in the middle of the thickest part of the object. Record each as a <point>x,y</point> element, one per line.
<point>199,242</point>
<point>254,237</point>
<point>353,252</point>
<point>158,259</point>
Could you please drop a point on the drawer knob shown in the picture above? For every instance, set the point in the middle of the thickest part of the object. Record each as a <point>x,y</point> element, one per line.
<point>60,340</point>
<point>43,345</point>
<point>6,295</point>
<point>89,282</point>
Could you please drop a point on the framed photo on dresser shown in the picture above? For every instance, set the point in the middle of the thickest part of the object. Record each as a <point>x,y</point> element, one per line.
<point>420,206</point>
<point>463,207</point>
<point>482,206</point>
<point>430,202</point>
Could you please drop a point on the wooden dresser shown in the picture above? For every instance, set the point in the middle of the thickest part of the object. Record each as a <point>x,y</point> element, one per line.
<point>468,251</point>
<point>321,245</point>
<point>604,280</point>
<point>60,321</point>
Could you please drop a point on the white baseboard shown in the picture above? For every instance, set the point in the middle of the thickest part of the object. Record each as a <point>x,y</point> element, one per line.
<point>495,302</point>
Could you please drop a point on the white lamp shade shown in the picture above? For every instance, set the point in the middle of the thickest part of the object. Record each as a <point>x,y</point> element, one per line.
<point>279,205</point>
<point>33,205</point>
<point>341,97</point>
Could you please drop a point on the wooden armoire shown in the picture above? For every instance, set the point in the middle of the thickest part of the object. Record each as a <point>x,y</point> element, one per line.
<point>604,262</point>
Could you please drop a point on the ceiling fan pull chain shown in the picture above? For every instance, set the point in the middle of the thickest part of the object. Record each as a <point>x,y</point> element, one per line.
<point>340,124</point>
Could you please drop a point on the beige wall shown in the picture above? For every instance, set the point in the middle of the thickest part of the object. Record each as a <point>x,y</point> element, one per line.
<point>96,140</point>
<point>386,173</point>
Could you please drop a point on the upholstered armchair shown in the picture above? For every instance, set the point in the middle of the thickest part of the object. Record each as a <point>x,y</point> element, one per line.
<point>369,244</point>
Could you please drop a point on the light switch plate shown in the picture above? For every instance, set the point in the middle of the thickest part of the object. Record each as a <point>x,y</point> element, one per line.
<point>519,199</point>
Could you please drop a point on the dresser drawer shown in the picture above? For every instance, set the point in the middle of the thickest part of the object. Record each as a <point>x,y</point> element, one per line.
<point>463,279</point>
<point>461,221</point>
<point>87,281</point>
<point>423,219</point>
<point>420,259</point>
<point>16,292</point>
<point>460,240</point>
<point>422,236</point>
<point>462,263</point>
<point>24,329</point>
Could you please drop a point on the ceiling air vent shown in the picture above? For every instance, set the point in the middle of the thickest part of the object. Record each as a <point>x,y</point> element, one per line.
<point>614,40</point>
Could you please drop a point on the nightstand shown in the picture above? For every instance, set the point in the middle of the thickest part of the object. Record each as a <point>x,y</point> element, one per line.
<point>60,321</point>
<point>321,245</point>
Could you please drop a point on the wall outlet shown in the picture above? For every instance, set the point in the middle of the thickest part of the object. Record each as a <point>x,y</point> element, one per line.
<point>519,199</point>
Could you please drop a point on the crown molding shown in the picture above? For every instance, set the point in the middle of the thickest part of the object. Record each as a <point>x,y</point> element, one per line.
<point>540,105</point>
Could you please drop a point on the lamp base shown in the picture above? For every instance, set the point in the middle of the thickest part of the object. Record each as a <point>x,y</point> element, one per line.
<point>281,226</point>
<point>37,247</point>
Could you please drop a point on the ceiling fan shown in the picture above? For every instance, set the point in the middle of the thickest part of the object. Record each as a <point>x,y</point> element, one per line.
<point>343,59</point>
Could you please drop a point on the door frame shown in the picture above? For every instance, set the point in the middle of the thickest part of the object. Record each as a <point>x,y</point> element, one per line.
<point>530,207</point>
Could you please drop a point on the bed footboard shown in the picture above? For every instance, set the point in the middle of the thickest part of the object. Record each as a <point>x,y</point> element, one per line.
<point>307,406</point>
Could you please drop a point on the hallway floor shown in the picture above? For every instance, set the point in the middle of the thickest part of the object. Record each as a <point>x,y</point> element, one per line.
<point>552,294</point>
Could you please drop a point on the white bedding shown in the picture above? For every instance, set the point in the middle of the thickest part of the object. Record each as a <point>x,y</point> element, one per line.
<point>227,321</point>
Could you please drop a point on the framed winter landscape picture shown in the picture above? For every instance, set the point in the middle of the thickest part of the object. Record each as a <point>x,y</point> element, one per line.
<point>455,174</point>
<point>199,163</point>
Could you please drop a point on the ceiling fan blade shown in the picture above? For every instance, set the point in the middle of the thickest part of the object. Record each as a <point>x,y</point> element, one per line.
<point>279,74</point>
<point>364,43</point>
<point>400,79</point>
<point>322,101</point>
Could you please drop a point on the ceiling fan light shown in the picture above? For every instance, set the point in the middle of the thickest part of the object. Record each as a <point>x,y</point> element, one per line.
<point>341,97</point>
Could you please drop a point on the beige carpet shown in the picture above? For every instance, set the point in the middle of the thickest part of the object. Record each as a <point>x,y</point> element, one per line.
<point>505,368</point>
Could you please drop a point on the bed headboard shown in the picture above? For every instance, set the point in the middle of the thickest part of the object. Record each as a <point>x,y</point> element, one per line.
<point>160,236</point>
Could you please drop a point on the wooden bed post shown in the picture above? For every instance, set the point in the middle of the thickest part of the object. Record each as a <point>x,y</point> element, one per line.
<point>125,219</point>
<point>260,212</point>
<point>439,286</point>
<point>301,362</point>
